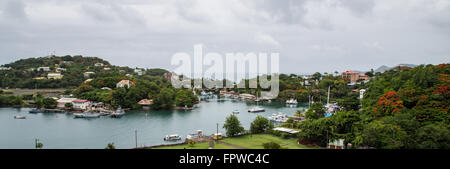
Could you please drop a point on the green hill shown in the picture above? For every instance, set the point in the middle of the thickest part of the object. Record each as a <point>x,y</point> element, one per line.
<point>33,72</point>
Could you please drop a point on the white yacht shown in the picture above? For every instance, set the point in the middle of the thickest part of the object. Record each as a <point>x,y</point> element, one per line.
<point>172,137</point>
<point>256,109</point>
<point>20,117</point>
<point>279,117</point>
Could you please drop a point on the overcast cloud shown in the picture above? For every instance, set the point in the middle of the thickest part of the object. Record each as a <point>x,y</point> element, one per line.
<point>310,35</point>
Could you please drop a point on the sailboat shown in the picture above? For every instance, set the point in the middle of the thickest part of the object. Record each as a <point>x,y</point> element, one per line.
<point>329,107</point>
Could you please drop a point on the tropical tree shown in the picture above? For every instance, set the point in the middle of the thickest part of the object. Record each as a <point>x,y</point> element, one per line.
<point>316,111</point>
<point>233,126</point>
<point>260,125</point>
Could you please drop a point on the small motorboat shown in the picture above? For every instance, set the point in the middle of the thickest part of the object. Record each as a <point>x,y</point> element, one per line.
<point>280,117</point>
<point>20,117</point>
<point>235,112</point>
<point>256,109</point>
<point>173,137</point>
<point>118,113</point>
<point>36,111</point>
<point>87,114</point>
<point>78,115</point>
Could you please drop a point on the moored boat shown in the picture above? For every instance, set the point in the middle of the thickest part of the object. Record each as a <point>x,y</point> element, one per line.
<point>118,113</point>
<point>172,137</point>
<point>280,117</point>
<point>235,112</point>
<point>20,117</point>
<point>256,109</point>
<point>36,111</point>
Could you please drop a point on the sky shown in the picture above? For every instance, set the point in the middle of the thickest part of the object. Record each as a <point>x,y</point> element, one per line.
<point>309,35</point>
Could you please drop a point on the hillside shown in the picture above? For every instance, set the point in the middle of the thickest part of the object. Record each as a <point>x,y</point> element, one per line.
<point>64,72</point>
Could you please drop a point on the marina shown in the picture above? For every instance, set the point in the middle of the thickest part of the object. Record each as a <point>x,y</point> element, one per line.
<point>63,130</point>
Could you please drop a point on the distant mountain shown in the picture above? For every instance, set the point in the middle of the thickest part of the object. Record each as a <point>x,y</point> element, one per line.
<point>382,69</point>
<point>385,68</point>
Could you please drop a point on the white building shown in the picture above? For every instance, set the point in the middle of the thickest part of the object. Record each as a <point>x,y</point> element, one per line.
<point>62,102</point>
<point>5,68</point>
<point>54,76</point>
<point>45,69</point>
<point>79,104</point>
<point>88,74</point>
<point>60,69</point>
<point>139,71</point>
<point>361,93</point>
<point>99,64</point>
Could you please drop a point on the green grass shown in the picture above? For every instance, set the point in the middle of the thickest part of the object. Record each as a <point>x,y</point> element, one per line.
<point>256,141</point>
<point>204,145</point>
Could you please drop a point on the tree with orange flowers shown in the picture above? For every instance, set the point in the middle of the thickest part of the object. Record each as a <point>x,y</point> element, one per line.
<point>388,104</point>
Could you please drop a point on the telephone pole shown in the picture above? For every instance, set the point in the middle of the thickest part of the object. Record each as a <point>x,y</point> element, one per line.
<point>217,132</point>
<point>135,135</point>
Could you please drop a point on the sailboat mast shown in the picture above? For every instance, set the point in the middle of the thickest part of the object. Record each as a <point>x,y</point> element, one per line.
<point>328,99</point>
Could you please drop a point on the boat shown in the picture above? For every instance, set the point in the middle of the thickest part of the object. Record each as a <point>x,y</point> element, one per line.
<point>291,101</point>
<point>118,113</point>
<point>279,117</point>
<point>235,112</point>
<point>36,111</point>
<point>173,137</point>
<point>78,115</point>
<point>91,115</point>
<point>20,117</point>
<point>256,109</point>
<point>87,114</point>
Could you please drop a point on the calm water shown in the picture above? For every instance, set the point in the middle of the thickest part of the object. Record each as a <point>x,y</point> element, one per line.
<point>56,130</point>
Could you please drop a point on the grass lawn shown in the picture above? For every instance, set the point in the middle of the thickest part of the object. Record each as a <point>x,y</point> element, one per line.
<point>256,141</point>
<point>204,145</point>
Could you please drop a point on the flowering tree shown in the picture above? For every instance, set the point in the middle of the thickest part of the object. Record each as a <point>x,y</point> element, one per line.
<point>388,104</point>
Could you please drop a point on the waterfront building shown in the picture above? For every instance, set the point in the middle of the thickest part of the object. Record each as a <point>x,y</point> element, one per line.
<point>80,104</point>
<point>63,101</point>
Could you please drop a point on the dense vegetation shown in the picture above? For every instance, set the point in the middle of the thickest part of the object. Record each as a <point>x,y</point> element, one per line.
<point>402,108</point>
<point>150,84</point>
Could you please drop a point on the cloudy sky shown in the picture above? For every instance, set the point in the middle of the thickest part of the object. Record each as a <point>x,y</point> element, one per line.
<point>310,35</point>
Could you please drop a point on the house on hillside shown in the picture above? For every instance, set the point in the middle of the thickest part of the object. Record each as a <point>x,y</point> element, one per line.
<point>353,77</point>
<point>5,68</point>
<point>45,69</point>
<point>54,76</point>
<point>139,71</point>
<point>145,103</point>
<point>99,64</point>
<point>88,74</point>
<point>126,83</point>
<point>60,69</point>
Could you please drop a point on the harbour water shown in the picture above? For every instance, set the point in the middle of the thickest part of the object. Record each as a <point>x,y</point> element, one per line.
<point>60,131</point>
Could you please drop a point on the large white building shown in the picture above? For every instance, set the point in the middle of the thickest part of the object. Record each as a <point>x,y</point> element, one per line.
<point>54,76</point>
<point>63,101</point>
<point>79,104</point>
